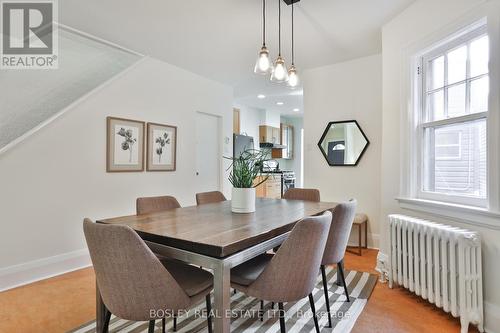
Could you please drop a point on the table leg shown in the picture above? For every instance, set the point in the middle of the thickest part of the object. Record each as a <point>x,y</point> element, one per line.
<point>100,310</point>
<point>222,301</point>
<point>366,235</point>
<point>359,241</point>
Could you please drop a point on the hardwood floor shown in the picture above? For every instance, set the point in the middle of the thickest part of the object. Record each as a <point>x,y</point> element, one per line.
<point>67,301</point>
<point>54,305</point>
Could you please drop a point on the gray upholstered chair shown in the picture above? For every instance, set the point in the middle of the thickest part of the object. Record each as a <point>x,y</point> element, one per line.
<point>148,205</point>
<point>338,237</point>
<point>291,273</point>
<point>156,204</point>
<point>209,197</point>
<point>132,280</point>
<point>306,194</point>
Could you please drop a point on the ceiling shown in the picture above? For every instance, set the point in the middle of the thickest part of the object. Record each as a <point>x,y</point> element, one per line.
<point>220,39</point>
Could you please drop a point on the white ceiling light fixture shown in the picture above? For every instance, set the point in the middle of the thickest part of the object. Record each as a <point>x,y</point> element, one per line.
<point>280,103</point>
<point>261,96</point>
<point>263,66</point>
<point>293,77</point>
<point>279,73</point>
<point>296,110</point>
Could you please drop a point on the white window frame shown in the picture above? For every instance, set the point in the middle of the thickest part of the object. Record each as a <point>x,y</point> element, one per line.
<point>420,109</point>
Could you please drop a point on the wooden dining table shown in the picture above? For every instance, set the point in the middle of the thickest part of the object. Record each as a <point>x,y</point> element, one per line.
<point>213,237</point>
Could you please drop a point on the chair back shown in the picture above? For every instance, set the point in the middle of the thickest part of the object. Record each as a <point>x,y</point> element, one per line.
<point>306,194</point>
<point>343,217</point>
<point>293,271</point>
<point>131,279</point>
<point>209,197</point>
<point>156,204</point>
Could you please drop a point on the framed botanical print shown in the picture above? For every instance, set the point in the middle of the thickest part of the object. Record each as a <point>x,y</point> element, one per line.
<point>161,147</point>
<point>125,145</point>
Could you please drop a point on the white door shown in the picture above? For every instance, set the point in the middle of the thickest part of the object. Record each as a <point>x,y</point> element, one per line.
<point>208,152</point>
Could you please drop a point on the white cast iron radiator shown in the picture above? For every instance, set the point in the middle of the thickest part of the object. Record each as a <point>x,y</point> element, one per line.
<point>440,263</point>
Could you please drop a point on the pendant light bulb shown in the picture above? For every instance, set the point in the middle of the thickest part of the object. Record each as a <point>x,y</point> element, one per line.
<point>263,65</point>
<point>293,77</point>
<point>279,73</point>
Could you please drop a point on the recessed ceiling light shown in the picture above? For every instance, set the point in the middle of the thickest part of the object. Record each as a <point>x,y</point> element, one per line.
<point>296,110</point>
<point>261,96</point>
<point>279,103</point>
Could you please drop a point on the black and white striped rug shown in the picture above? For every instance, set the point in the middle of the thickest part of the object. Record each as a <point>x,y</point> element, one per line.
<point>244,311</point>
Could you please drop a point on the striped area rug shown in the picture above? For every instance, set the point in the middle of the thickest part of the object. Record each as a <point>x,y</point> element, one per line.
<point>298,314</point>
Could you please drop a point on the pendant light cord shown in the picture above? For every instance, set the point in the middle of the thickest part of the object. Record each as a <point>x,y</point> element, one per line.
<point>264,22</point>
<point>279,27</point>
<point>293,55</point>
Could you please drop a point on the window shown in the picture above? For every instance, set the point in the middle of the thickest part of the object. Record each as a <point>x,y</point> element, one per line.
<point>452,129</point>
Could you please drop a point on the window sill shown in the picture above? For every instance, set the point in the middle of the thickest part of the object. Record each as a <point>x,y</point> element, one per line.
<point>460,213</point>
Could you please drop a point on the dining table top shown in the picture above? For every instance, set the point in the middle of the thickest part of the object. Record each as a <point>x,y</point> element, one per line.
<point>214,230</point>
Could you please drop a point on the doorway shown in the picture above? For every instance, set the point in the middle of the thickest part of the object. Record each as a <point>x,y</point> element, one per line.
<point>208,152</point>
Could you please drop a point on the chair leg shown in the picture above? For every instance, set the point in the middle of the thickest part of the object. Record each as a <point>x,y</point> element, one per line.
<point>340,268</point>
<point>282,318</point>
<point>327,299</point>
<point>313,308</point>
<point>107,318</point>
<point>209,313</point>
<point>163,321</point>
<point>261,311</point>
<point>151,328</point>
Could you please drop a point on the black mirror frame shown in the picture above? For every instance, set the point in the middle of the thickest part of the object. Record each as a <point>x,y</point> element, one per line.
<point>326,132</point>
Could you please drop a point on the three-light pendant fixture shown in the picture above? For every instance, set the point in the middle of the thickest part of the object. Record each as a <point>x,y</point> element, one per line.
<point>278,70</point>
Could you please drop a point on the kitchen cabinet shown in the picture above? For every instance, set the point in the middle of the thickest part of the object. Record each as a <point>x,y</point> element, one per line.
<point>271,188</point>
<point>269,134</point>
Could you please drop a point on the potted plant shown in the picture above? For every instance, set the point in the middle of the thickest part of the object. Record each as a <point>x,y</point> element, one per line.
<point>244,169</point>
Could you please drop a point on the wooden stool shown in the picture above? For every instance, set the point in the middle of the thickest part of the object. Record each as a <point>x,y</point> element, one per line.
<point>361,220</point>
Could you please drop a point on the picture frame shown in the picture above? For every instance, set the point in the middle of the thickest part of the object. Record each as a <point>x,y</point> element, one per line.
<point>161,147</point>
<point>124,145</point>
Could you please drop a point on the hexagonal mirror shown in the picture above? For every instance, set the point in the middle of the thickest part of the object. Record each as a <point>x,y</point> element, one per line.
<point>343,143</point>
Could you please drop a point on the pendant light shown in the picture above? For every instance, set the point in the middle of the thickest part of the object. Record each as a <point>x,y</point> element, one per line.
<point>279,73</point>
<point>293,78</point>
<point>263,65</point>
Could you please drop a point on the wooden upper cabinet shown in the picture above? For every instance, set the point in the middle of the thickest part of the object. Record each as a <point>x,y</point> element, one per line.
<point>276,135</point>
<point>236,121</point>
<point>269,134</point>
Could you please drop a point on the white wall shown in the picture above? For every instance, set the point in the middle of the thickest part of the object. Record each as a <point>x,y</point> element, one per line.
<point>426,22</point>
<point>55,178</point>
<point>250,119</point>
<point>271,118</point>
<point>346,91</point>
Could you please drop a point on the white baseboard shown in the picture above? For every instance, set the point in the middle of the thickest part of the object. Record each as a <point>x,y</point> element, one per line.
<point>32,271</point>
<point>491,318</point>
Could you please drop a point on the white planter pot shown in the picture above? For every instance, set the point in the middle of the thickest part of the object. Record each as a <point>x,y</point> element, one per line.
<point>243,200</point>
